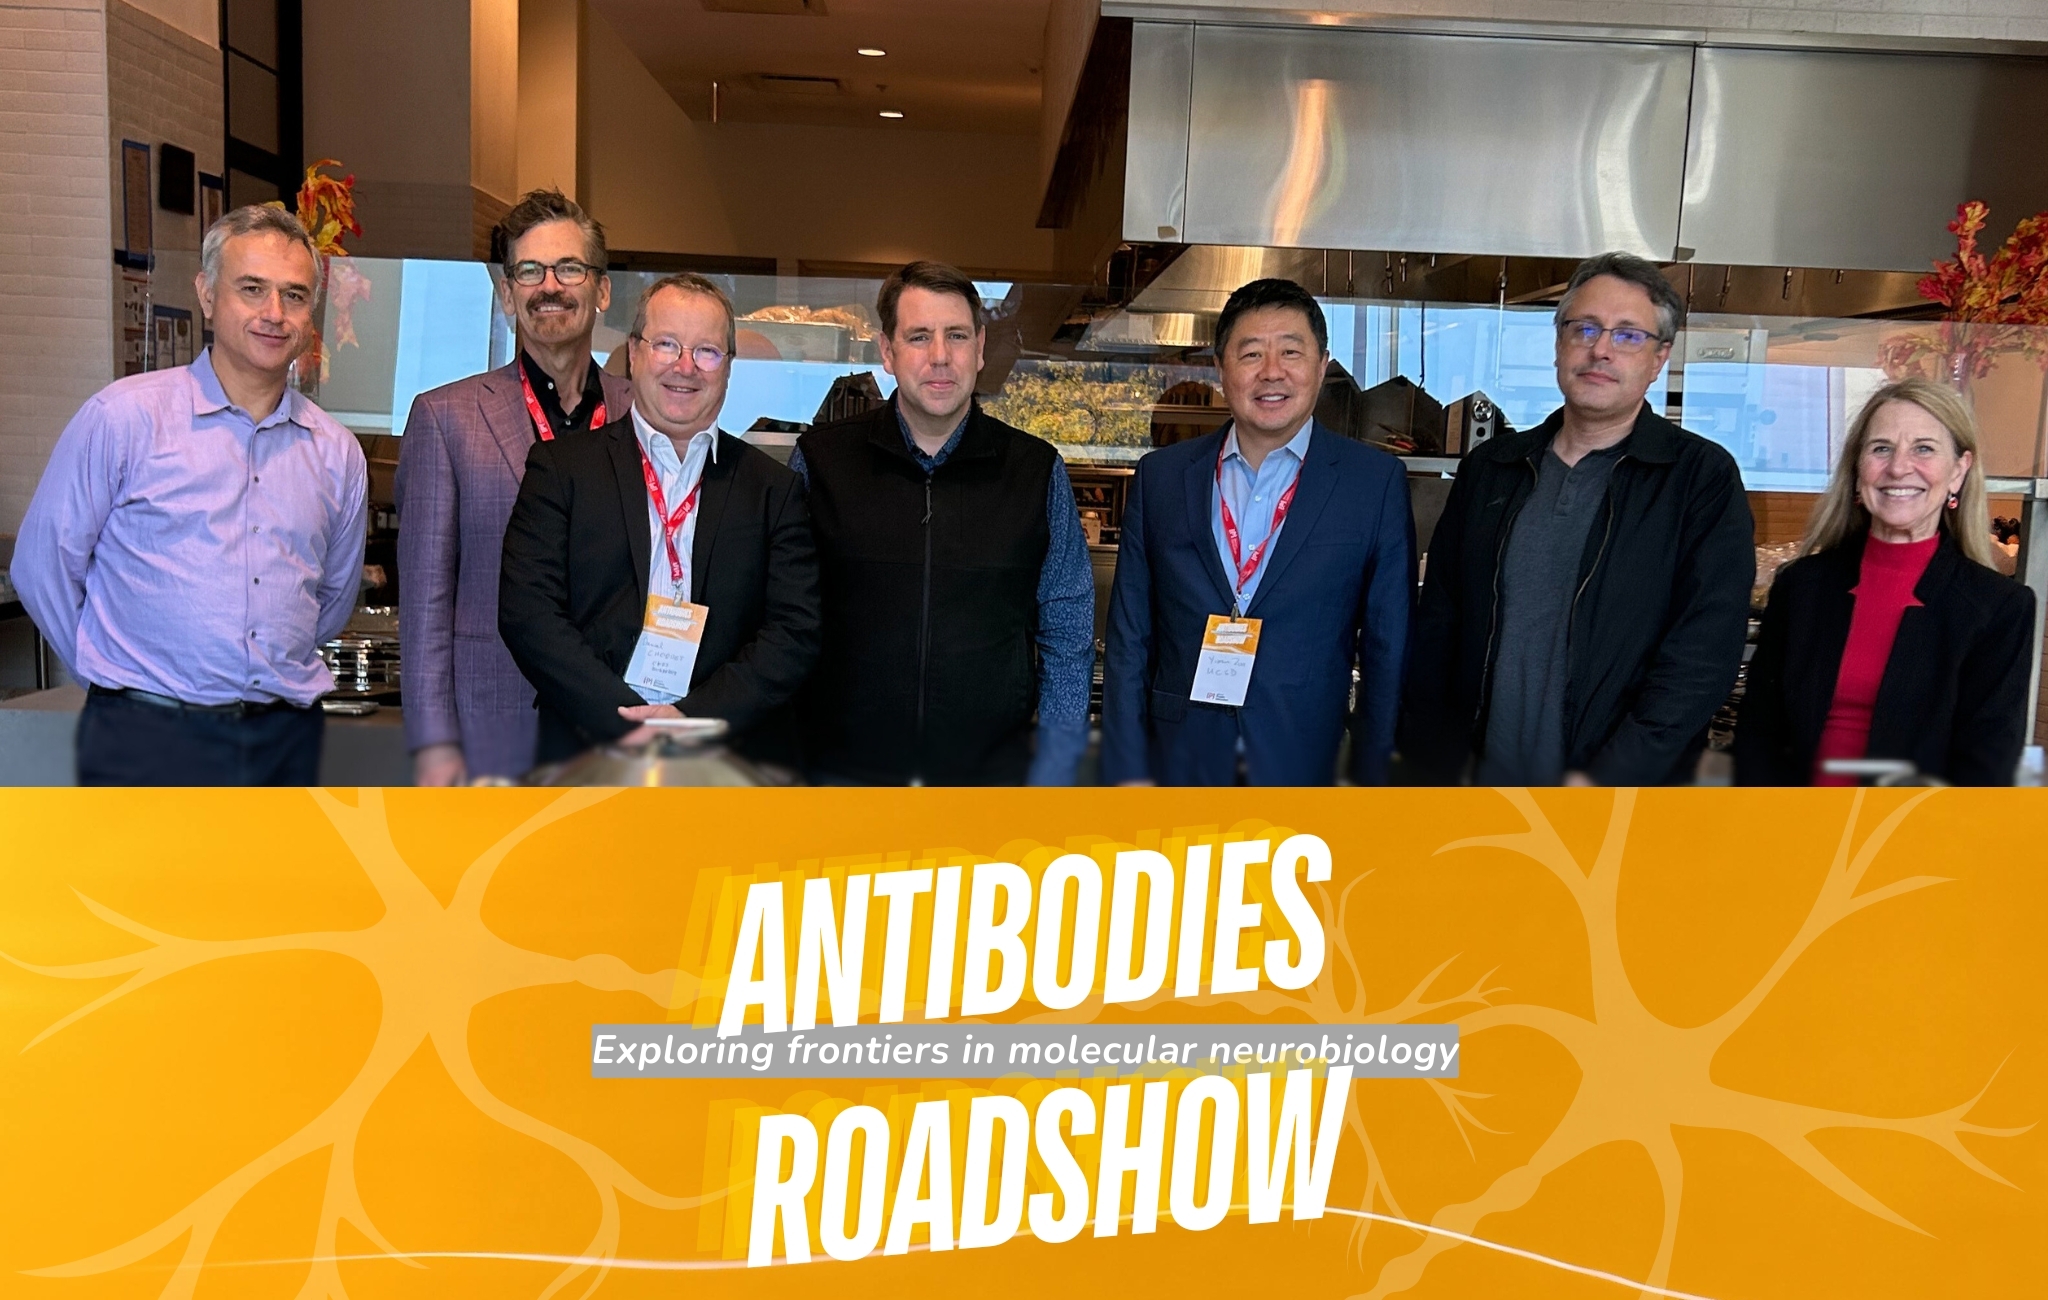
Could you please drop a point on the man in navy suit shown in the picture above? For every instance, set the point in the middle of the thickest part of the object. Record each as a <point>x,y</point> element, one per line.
<point>1272,536</point>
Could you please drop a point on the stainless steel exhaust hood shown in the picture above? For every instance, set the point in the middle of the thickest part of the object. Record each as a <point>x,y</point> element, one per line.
<point>1201,279</point>
<point>1325,137</point>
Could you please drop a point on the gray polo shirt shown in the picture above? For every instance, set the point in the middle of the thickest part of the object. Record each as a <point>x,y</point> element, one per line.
<point>1539,577</point>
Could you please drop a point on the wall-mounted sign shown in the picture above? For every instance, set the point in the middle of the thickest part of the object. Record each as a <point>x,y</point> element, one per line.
<point>137,237</point>
<point>135,290</point>
<point>171,341</point>
<point>176,169</point>
<point>213,200</point>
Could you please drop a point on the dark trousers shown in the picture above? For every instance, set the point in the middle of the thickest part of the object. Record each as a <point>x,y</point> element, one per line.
<point>123,741</point>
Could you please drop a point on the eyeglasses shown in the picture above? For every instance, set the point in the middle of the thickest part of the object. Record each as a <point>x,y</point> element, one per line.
<point>1627,338</point>
<point>568,272</point>
<point>668,351</point>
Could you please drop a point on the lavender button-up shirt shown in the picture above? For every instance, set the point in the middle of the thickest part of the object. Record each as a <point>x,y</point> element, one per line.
<point>176,546</point>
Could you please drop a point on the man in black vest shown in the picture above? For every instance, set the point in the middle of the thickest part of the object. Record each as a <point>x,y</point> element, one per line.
<point>950,549</point>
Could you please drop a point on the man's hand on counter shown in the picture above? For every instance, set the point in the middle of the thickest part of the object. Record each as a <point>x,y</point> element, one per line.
<point>641,713</point>
<point>439,765</point>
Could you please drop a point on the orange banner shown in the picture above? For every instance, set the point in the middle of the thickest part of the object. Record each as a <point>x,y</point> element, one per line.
<point>1724,1044</point>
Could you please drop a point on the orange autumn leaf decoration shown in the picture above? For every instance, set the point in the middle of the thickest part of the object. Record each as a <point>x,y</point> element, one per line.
<point>327,209</point>
<point>2007,289</point>
<point>346,286</point>
<point>1989,301</point>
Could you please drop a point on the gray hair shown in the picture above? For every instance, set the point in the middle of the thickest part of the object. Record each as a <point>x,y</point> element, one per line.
<point>690,282</point>
<point>1629,269</point>
<point>255,219</point>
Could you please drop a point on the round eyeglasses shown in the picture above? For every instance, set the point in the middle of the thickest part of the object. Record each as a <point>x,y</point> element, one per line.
<point>1627,338</point>
<point>568,272</point>
<point>669,351</point>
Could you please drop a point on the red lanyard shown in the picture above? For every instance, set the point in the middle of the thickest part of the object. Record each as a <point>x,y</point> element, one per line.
<point>540,420</point>
<point>671,524</point>
<point>1246,567</point>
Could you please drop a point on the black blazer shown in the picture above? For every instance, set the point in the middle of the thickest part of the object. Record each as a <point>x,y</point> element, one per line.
<point>1954,694</point>
<point>572,591</point>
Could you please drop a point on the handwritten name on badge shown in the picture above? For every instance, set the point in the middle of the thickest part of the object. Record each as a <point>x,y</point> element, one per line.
<point>1223,672</point>
<point>665,657</point>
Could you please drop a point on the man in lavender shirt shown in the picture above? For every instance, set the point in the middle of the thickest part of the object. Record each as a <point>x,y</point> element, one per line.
<point>198,533</point>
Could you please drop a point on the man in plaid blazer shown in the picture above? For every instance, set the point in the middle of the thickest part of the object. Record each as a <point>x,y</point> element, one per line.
<point>468,711</point>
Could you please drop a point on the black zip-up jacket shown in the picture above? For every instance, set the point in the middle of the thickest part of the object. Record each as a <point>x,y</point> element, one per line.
<point>1657,621</point>
<point>1954,694</point>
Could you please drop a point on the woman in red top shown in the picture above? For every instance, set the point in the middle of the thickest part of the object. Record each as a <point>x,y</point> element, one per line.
<point>1893,636</point>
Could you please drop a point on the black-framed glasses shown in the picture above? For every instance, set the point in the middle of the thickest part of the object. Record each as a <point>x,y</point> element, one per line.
<point>1627,338</point>
<point>668,351</point>
<point>568,272</point>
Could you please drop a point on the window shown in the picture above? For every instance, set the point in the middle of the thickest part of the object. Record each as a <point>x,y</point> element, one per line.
<point>265,94</point>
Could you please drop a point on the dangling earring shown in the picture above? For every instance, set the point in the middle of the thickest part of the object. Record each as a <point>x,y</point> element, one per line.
<point>1951,500</point>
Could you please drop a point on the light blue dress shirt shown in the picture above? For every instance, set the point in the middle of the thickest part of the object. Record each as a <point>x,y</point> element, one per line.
<point>1253,496</point>
<point>677,472</point>
<point>177,546</point>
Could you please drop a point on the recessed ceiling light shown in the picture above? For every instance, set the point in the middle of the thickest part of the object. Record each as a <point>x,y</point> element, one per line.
<point>890,112</point>
<point>870,51</point>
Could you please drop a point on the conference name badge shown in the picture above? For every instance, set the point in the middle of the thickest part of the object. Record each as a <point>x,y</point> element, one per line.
<point>666,654</point>
<point>1223,673</point>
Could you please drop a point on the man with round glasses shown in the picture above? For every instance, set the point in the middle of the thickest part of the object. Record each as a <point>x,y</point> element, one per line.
<point>1587,589</point>
<point>658,568</point>
<point>468,711</point>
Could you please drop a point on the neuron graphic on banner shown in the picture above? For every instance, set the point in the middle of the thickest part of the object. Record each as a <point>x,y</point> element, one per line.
<point>433,966</point>
<point>1642,1077</point>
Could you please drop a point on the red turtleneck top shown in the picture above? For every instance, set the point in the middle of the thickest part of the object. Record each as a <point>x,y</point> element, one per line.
<point>1883,591</point>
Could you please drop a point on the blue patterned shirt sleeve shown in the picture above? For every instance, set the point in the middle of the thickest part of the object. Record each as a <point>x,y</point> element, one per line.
<point>1066,624</point>
<point>1066,638</point>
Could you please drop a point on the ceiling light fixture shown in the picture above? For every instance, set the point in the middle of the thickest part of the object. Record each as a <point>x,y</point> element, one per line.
<point>869,51</point>
<point>889,112</point>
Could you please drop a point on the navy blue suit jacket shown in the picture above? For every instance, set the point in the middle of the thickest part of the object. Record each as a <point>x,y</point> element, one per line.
<point>1336,592</point>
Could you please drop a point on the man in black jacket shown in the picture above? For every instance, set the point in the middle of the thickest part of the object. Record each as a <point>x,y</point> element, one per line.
<point>658,567</point>
<point>1587,591</point>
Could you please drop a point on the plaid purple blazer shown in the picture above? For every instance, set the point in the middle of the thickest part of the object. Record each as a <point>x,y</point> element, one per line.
<point>459,466</point>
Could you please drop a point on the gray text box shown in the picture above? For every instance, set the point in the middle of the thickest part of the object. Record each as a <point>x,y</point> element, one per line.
<point>965,1051</point>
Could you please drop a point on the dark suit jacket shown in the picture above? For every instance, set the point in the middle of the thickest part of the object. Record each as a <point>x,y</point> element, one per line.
<point>458,475</point>
<point>1335,593</point>
<point>1953,698</point>
<point>573,590</point>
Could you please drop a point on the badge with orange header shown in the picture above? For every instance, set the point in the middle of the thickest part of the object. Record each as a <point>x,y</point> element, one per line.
<point>1230,645</point>
<point>666,654</point>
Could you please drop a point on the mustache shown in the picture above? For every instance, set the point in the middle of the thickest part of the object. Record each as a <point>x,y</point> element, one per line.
<point>540,300</point>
